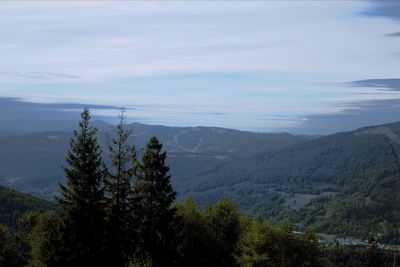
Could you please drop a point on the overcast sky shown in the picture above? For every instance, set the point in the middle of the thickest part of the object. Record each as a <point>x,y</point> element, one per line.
<point>261,66</point>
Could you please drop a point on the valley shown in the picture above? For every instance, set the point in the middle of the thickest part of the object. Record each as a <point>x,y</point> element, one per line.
<point>332,182</point>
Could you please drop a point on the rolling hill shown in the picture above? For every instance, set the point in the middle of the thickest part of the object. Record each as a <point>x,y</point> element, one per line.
<point>13,204</point>
<point>342,183</point>
<point>345,183</point>
<point>31,162</point>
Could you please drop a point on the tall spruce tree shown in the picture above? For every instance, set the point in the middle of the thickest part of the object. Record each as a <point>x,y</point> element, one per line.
<point>119,195</point>
<point>154,197</point>
<point>82,202</point>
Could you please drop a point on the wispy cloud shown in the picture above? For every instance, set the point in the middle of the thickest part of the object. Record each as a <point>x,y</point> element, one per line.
<point>42,75</point>
<point>387,8</point>
<point>359,114</point>
<point>382,84</point>
<point>393,34</point>
<point>200,63</point>
<point>7,46</point>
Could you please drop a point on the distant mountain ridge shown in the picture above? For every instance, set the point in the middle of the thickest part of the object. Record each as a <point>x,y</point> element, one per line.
<point>32,162</point>
<point>341,183</point>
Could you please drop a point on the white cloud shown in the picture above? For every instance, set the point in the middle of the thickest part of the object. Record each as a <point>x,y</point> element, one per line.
<point>123,52</point>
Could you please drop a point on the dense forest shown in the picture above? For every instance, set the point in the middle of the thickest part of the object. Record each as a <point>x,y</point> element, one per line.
<point>343,184</point>
<point>124,213</point>
<point>14,204</point>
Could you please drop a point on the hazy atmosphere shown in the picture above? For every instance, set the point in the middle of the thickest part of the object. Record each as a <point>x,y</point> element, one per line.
<point>296,66</point>
<point>200,133</point>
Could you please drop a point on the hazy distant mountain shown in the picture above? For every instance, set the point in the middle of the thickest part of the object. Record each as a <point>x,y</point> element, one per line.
<point>32,161</point>
<point>342,183</point>
<point>19,116</point>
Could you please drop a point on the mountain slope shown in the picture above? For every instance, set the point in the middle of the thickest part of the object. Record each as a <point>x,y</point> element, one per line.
<point>343,183</point>
<point>327,160</point>
<point>13,204</point>
<point>32,162</point>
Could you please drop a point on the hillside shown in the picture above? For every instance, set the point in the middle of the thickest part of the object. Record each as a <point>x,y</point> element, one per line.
<point>343,183</point>
<point>13,204</point>
<point>346,183</point>
<point>31,162</point>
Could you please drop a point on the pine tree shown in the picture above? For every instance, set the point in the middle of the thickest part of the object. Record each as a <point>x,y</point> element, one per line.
<point>154,197</point>
<point>119,177</point>
<point>82,201</point>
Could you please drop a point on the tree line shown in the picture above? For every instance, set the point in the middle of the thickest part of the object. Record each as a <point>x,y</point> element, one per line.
<point>124,213</point>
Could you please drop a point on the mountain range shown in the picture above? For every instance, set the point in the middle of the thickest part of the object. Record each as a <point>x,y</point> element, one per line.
<point>345,183</point>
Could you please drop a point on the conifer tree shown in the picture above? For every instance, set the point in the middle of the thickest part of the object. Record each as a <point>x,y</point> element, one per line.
<point>119,194</point>
<point>154,197</point>
<point>82,201</point>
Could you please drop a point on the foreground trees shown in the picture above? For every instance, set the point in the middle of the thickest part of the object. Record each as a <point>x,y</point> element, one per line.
<point>112,215</point>
<point>124,214</point>
<point>208,237</point>
<point>120,221</point>
<point>153,198</point>
<point>267,245</point>
<point>9,254</point>
<point>82,201</point>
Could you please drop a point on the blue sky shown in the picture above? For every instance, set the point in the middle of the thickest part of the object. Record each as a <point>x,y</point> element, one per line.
<point>260,66</point>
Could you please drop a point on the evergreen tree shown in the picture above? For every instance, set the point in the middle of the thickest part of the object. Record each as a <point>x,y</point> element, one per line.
<point>154,197</point>
<point>120,223</point>
<point>82,201</point>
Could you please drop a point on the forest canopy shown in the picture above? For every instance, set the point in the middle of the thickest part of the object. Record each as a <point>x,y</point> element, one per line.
<point>124,213</point>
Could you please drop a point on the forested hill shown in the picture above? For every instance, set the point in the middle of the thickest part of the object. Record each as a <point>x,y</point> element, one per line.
<point>325,163</point>
<point>342,183</point>
<point>13,204</point>
<point>31,162</point>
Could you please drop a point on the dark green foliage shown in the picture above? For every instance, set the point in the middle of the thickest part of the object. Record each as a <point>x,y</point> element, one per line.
<point>46,241</point>
<point>153,198</point>
<point>356,256</point>
<point>103,222</point>
<point>310,181</point>
<point>207,237</point>
<point>10,256</point>
<point>14,204</point>
<point>192,235</point>
<point>82,203</point>
<point>214,236</point>
<point>24,228</point>
<point>223,229</point>
<point>373,256</point>
<point>346,183</point>
<point>266,245</point>
<point>119,197</point>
